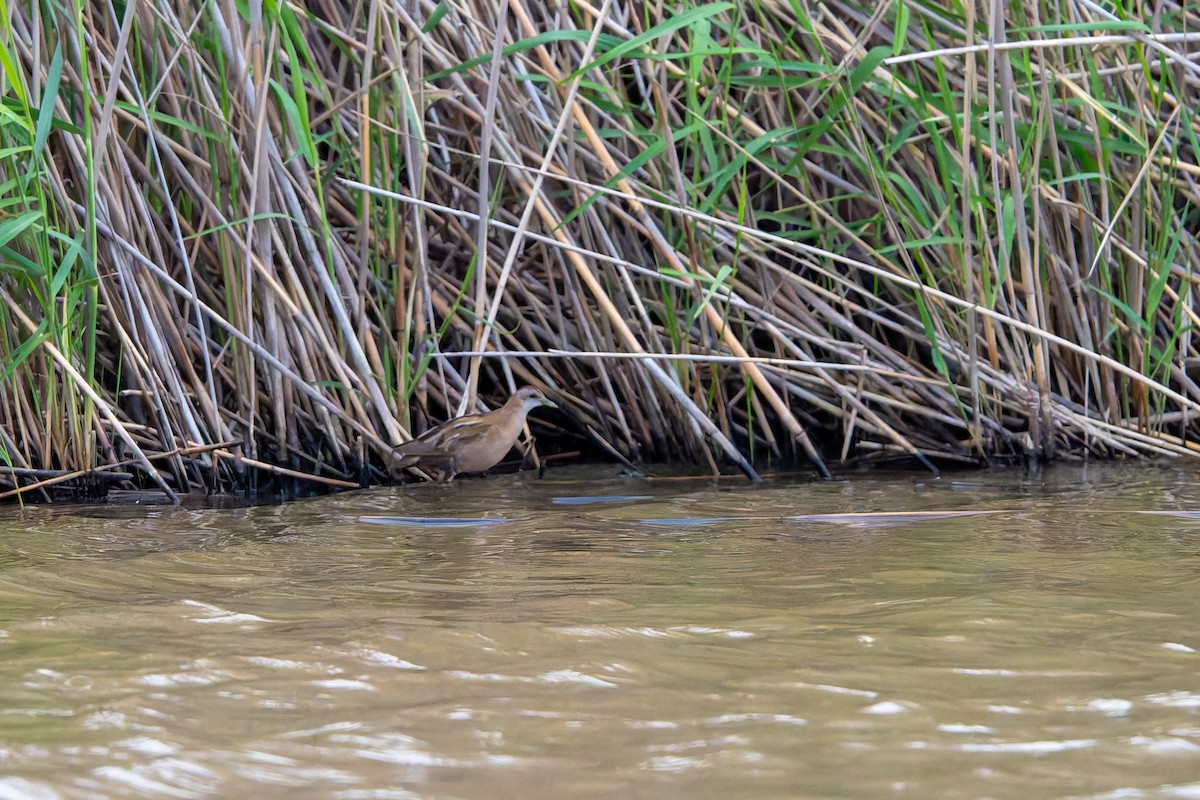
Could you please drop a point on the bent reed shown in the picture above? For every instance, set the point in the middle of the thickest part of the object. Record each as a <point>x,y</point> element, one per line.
<point>257,246</point>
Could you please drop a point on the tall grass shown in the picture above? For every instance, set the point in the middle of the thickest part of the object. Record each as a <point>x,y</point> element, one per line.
<point>276,239</point>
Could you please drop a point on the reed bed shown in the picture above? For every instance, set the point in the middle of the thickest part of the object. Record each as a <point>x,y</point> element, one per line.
<point>241,245</point>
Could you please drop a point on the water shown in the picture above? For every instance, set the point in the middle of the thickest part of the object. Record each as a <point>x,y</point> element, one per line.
<point>590,636</point>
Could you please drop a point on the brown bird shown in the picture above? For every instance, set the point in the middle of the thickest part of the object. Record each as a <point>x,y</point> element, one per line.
<point>473,443</point>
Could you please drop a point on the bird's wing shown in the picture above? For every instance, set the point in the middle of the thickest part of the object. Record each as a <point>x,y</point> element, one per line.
<point>461,433</point>
<point>439,444</point>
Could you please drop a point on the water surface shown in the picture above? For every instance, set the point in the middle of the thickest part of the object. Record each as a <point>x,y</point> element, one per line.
<point>587,635</point>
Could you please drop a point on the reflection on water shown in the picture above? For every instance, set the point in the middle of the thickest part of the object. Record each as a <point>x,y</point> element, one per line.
<point>591,636</point>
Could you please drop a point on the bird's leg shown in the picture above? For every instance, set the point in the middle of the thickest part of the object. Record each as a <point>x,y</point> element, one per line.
<point>527,451</point>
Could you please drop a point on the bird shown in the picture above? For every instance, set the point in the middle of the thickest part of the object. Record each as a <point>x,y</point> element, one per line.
<point>471,443</point>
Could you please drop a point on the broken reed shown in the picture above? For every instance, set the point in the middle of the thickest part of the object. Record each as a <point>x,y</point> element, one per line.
<point>239,238</point>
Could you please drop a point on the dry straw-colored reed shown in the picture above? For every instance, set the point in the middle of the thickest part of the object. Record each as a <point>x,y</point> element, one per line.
<point>244,239</point>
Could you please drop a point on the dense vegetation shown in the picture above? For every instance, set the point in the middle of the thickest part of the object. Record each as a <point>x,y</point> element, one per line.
<point>238,237</point>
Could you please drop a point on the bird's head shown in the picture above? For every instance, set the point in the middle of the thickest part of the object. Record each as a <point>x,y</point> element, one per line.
<point>531,398</point>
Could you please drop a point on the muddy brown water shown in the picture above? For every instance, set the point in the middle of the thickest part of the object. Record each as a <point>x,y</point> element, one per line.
<point>591,636</point>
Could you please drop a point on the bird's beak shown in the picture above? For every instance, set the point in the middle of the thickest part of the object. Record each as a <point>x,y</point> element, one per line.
<point>546,401</point>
